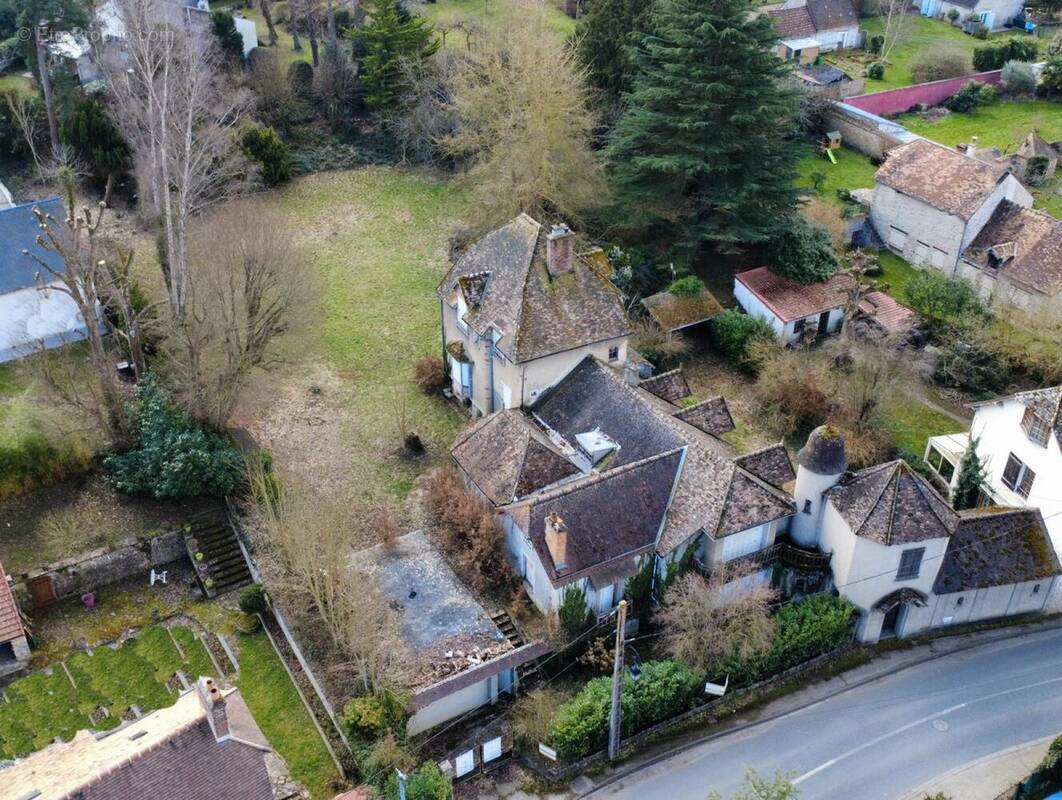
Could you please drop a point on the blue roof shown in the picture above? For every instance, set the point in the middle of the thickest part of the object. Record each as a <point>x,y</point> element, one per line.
<point>18,232</point>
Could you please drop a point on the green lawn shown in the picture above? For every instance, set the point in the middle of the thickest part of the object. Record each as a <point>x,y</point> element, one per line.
<point>492,12</point>
<point>852,171</point>
<point>895,274</point>
<point>919,34</point>
<point>276,707</point>
<point>42,706</point>
<point>910,422</point>
<point>16,83</point>
<point>283,47</point>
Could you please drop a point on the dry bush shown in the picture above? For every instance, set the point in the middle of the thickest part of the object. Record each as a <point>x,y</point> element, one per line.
<point>653,343</point>
<point>825,214</point>
<point>792,389</point>
<point>429,374</point>
<point>473,532</point>
<point>861,388</point>
<point>705,622</point>
<point>533,715</point>
<point>939,63</point>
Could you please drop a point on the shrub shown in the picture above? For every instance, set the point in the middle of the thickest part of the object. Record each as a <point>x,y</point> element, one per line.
<point>369,717</point>
<point>1051,75</point>
<point>264,146</point>
<point>940,63</point>
<point>981,32</point>
<point>429,374</point>
<point>37,459</point>
<point>690,286</point>
<point>876,43</point>
<point>953,15</point>
<point>656,346</point>
<point>300,76</point>
<point>252,599</point>
<point>876,71</point>
<point>573,613</point>
<point>96,140</point>
<point>994,56</point>
<point>732,334</point>
<point>223,27</point>
<point>972,95</point>
<point>802,252</point>
<point>1019,78</point>
<point>425,783</point>
<point>171,457</point>
<point>1054,47</point>
<point>944,301</point>
<point>971,367</point>
<point>533,716</point>
<point>639,588</point>
<point>664,689</point>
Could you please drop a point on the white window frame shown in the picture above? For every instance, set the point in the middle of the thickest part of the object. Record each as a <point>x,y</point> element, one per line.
<point>893,230</point>
<point>462,309</point>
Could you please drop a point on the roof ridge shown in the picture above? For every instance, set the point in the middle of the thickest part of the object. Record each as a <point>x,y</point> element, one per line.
<point>866,473</point>
<point>515,346</point>
<point>924,486</point>
<point>591,479</point>
<point>700,403</point>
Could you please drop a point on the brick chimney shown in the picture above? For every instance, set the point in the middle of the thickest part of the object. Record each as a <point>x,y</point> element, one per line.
<point>557,541</point>
<point>214,704</point>
<point>560,250</point>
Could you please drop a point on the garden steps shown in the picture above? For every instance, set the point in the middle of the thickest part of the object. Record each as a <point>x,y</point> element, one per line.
<point>222,563</point>
<point>527,673</point>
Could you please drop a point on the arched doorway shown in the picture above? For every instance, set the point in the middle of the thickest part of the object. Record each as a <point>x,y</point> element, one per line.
<point>894,607</point>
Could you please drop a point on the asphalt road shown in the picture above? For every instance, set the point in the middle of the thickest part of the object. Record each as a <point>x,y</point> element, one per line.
<point>883,739</point>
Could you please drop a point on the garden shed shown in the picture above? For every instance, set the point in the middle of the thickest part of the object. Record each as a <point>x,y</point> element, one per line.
<point>674,312</point>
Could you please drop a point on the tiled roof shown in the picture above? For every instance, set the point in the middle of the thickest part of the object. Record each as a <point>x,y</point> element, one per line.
<point>18,232</point>
<point>792,22</point>
<point>891,504</point>
<point>940,177</point>
<point>506,286</point>
<point>886,312</point>
<point>508,457</point>
<point>672,312</point>
<point>609,515</point>
<point>711,416</point>
<point>670,386</point>
<point>771,464</point>
<point>830,14</point>
<point>1023,244</point>
<point>10,621</point>
<point>996,547</point>
<point>789,300</point>
<point>171,753</point>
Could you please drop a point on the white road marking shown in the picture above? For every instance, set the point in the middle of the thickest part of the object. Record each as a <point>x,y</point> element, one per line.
<point>903,728</point>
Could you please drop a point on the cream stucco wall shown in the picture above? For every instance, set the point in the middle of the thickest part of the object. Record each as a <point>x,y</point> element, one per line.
<point>454,705</point>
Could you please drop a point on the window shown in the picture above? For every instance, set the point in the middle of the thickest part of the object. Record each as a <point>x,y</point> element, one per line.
<point>944,468</point>
<point>462,309</point>
<point>910,563</point>
<point>1036,589</point>
<point>613,354</point>
<point>921,253</point>
<point>897,237</point>
<point>959,601</point>
<point>938,258</point>
<point>1035,426</point>
<point>1017,476</point>
<point>807,506</point>
<point>799,326</point>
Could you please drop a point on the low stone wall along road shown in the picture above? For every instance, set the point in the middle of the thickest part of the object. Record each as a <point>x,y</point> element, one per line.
<point>881,740</point>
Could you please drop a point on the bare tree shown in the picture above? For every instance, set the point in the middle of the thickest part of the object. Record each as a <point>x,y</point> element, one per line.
<point>39,39</point>
<point>81,270</point>
<point>525,123</point>
<point>20,104</point>
<point>249,285</point>
<point>266,7</point>
<point>895,14</point>
<point>174,103</point>
<point>708,619</point>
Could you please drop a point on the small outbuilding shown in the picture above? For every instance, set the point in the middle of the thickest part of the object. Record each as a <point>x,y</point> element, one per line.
<point>14,648</point>
<point>674,312</point>
<point>793,310</point>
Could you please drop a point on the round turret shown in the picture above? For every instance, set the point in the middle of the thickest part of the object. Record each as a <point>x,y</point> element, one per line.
<point>820,464</point>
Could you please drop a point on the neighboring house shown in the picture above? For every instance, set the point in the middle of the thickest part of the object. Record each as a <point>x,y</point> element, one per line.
<point>519,309</point>
<point>993,14</point>
<point>601,472</point>
<point>32,314</point>
<point>825,80</point>
<point>965,216</point>
<point>14,648</point>
<point>904,557</point>
<point>1019,443</point>
<point>792,309</point>
<point>809,27</point>
<point>206,745</point>
<point>459,656</point>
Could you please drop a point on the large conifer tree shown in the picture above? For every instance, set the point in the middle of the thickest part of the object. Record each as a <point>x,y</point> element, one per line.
<point>702,156</point>
<point>606,35</point>
<point>971,476</point>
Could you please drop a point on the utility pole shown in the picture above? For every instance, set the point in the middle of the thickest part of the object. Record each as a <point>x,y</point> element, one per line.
<point>617,683</point>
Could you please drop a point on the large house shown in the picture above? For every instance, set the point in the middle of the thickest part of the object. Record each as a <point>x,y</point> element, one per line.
<point>206,745</point>
<point>520,307</point>
<point>904,557</point>
<point>993,14</point>
<point>1019,443</point>
<point>809,27</point>
<point>601,472</point>
<point>33,312</point>
<point>967,217</point>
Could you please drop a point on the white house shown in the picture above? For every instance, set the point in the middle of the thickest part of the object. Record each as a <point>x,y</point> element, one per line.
<point>793,310</point>
<point>602,472</point>
<point>519,309</point>
<point>993,14</point>
<point>1019,444</point>
<point>904,557</point>
<point>33,313</point>
<point>970,218</point>
<point>817,25</point>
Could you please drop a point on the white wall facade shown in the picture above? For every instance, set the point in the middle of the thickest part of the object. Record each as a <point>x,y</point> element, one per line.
<point>991,603</point>
<point>785,331</point>
<point>31,316</point>
<point>921,234</point>
<point>1001,10</point>
<point>460,702</point>
<point>838,38</point>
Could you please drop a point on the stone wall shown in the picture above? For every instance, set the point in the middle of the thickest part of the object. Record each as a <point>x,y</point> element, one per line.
<point>868,133</point>
<point>130,558</point>
<point>897,101</point>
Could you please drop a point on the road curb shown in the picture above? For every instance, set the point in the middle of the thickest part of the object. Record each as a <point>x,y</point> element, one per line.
<point>1050,625</point>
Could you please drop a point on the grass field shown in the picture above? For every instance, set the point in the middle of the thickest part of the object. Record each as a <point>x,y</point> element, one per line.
<point>910,422</point>
<point>852,171</point>
<point>276,707</point>
<point>919,34</point>
<point>283,47</point>
<point>43,706</point>
<point>492,12</point>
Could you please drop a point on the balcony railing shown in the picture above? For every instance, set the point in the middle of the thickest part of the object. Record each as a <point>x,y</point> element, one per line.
<point>783,553</point>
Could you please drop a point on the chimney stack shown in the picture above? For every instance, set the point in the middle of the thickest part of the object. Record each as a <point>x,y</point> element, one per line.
<point>630,373</point>
<point>557,541</point>
<point>560,250</point>
<point>213,703</point>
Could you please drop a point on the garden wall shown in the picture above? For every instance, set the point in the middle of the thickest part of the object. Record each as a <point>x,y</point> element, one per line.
<point>131,558</point>
<point>897,101</point>
<point>868,133</point>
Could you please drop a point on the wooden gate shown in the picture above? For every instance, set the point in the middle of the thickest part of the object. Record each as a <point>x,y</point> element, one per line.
<point>42,591</point>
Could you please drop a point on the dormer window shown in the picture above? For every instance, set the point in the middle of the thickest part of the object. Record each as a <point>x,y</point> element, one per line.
<point>1036,426</point>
